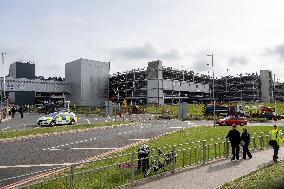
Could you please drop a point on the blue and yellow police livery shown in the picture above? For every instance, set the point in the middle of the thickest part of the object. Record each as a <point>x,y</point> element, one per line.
<point>61,118</point>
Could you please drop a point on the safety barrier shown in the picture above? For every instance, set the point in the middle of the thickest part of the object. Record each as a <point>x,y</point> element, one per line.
<point>122,169</point>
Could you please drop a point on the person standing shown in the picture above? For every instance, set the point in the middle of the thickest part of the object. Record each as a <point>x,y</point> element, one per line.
<point>245,141</point>
<point>21,111</point>
<point>235,139</point>
<point>275,136</point>
<point>13,111</point>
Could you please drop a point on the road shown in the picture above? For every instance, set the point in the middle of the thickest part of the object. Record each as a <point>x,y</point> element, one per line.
<point>30,155</point>
<point>29,120</point>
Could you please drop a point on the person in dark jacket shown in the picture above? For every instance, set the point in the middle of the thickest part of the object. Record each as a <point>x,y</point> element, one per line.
<point>21,111</point>
<point>245,140</point>
<point>235,139</point>
<point>13,111</point>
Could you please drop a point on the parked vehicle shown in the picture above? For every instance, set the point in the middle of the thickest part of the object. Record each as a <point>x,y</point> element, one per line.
<point>265,112</point>
<point>61,118</point>
<point>229,109</point>
<point>231,120</point>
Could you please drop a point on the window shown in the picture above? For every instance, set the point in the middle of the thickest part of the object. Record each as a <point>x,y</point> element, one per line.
<point>197,86</point>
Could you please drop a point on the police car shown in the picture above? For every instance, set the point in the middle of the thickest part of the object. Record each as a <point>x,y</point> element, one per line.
<point>61,118</point>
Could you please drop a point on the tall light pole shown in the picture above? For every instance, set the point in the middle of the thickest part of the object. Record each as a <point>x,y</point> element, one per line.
<point>212,64</point>
<point>4,84</point>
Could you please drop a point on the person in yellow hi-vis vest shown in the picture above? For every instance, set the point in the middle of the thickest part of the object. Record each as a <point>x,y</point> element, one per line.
<point>275,139</point>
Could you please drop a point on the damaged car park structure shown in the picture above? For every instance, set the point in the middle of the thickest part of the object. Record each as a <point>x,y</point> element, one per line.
<point>88,83</point>
<point>165,85</point>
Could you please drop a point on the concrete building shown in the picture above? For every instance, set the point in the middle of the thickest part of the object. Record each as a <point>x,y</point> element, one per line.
<point>155,87</point>
<point>22,70</point>
<point>267,85</point>
<point>89,82</point>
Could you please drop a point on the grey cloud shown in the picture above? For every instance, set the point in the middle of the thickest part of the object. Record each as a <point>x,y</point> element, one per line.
<point>238,60</point>
<point>146,51</point>
<point>278,50</point>
<point>201,66</point>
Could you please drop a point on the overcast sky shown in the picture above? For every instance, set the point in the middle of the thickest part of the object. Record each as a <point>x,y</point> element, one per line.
<point>244,35</point>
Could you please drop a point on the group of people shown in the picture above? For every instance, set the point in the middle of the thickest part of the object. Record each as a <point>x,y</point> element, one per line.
<point>236,139</point>
<point>14,110</point>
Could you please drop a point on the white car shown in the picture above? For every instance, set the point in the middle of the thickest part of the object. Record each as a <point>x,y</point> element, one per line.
<point>61,118</point>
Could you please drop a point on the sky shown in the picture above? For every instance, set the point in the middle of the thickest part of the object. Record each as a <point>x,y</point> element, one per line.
<point>244,36</point>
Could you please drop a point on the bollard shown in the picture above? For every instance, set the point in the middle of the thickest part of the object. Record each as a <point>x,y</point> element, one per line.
<point>72,176</point>
<point>204,150</point>
<point>132,169</point>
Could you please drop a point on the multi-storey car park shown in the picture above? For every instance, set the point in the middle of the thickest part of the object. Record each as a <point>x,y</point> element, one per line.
<point>87,83</point>
<point>167,85</point>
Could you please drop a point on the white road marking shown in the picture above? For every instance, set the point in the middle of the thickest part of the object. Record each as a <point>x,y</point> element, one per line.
<point>189,123</point>
<point>62,145</point>
<point>176,127</point>
<point>138,139</point>
<point>54,149</point>
<point>93,148</point>
<point>38,165</point>
<point>5,128</point>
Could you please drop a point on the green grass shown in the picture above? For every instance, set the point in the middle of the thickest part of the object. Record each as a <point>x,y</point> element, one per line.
<point>269,177</point>
<point>45,130</point>
<point>184,143</point>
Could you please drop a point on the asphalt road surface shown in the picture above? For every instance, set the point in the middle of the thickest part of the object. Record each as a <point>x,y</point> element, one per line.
<point>30,119</point>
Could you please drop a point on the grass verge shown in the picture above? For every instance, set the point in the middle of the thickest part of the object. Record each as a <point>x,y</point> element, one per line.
<point>106,173</point>
<point>269,177</point>
<point>57,129</point>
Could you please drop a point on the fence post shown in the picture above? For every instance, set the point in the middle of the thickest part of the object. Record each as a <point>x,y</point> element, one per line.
<point>174,159</point>
<point>183,157</point>
<point>254,144</point>
<point>261,141</point>
<point>227,148</point>
<point>132,169</point>
<point>72,176</point>
<point>204,150</point>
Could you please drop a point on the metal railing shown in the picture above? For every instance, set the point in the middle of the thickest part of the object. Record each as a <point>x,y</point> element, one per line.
<point>122,169</point>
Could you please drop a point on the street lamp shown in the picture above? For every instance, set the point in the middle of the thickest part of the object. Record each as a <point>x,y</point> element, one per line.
<point>214,113</point>
<point>4,84</point>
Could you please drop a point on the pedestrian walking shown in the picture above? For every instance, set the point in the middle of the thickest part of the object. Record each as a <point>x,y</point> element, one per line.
<point>21,111</point>
<point>275,136</point>
<point>235,139</point>
<point>245,141</point>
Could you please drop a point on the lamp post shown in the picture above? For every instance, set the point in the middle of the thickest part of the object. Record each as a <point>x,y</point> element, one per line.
<point>214,113</point>
<point>4,84</point>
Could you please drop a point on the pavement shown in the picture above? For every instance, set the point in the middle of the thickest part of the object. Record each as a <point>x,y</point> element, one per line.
<point>213,175</point>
